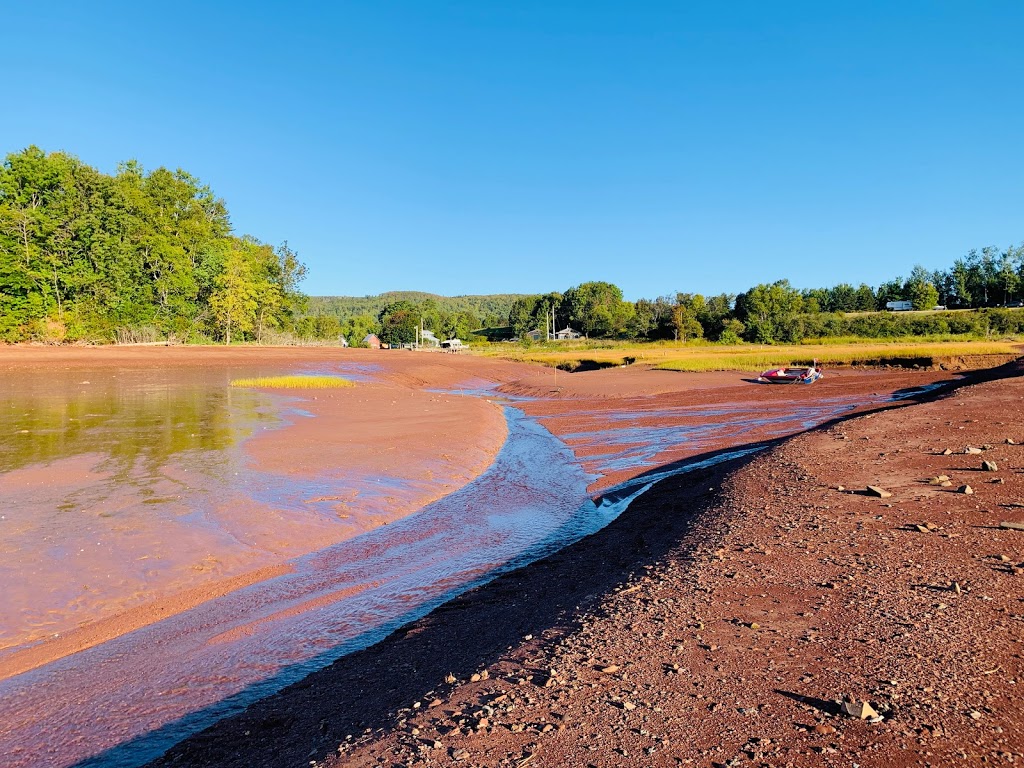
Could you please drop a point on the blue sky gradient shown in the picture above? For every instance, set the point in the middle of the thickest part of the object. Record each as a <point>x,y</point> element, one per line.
<point>486,147</point>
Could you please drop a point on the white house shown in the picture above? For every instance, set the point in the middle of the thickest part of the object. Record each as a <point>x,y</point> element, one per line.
<point>567,333</point>
<point>428,339</point>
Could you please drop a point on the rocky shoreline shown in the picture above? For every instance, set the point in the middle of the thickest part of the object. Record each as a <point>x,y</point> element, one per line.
<point>722,620</point>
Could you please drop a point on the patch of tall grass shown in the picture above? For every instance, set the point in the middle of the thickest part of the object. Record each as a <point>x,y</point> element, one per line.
<point>751,357</point>
<point>293,382</point>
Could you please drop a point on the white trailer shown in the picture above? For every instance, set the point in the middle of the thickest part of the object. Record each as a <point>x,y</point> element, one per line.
<point>899,306</point>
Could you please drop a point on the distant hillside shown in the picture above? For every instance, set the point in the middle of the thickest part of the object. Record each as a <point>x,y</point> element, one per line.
<point>490,310</point>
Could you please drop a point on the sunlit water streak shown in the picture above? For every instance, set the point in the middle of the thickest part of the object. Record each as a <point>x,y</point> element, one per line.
<point>639,437</point>
<point>194,668</point>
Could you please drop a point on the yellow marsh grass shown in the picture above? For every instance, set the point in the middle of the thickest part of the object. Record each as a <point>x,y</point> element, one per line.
<point>293,382</point>
<point>749,357</point>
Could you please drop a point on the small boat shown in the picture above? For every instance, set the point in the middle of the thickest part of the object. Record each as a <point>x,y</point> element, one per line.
<point>792,375</point>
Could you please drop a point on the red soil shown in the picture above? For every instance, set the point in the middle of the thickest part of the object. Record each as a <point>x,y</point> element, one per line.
<point>434,443</point>
<point>721,619</point>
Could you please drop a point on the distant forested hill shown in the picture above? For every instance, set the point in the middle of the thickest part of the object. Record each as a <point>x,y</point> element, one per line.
<point>490,310</point>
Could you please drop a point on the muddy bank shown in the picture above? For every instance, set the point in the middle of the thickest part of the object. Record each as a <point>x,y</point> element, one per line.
<point>131,546</point>
<point>720,618</point>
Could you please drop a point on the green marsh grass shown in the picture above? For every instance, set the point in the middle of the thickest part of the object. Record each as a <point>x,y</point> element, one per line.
<point>293,382</point>
<point>750,357</point>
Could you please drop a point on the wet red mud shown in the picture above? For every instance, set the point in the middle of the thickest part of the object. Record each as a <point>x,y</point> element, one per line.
<point>68,588</point>
<point>717,622</point>
<point>378,687</point>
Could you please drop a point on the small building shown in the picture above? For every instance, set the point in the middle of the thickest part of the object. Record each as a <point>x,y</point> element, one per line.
<point>567,333</point>
<point>452,345</point>
<point>534,335</point>
<point>428,339</point>
<point>899,306</point>
<point>372,341</point>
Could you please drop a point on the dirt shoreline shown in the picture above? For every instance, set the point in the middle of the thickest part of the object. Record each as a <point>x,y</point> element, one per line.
<point>431,444</point>
<point>717,622</point>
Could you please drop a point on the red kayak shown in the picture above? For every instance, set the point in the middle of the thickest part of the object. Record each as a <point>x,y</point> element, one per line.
<point>792,375</point>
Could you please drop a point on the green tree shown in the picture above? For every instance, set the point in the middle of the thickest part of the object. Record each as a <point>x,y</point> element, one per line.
<point>769,312</point>
<point>597,309</point>
<point>685,325</point>
<point>923,295</point>
<point>398,323</point>
<point>866,300</point>
<point>920,290</point>
<point>234,299</point>
<point>87,255</point>
<point>521,315</point>
<point>357,328</point>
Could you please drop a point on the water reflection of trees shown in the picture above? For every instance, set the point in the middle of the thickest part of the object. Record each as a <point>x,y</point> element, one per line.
<point>136,428</point>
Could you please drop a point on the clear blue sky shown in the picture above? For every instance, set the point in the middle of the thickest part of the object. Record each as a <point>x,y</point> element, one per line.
<point>485,147</point>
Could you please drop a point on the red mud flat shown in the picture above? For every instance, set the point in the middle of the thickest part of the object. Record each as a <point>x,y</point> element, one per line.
<point>428,444</point>
<point>719,621</point>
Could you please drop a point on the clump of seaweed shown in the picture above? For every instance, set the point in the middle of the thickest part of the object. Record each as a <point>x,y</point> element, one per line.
<point>294,382</point>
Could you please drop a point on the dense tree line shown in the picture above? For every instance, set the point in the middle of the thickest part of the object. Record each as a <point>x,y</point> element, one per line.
<point>778,312</point>
<point>137,256</point>
<point>491,309</point>
<point>142,256</point>
<point>395,322</point>
<point>765,314</point>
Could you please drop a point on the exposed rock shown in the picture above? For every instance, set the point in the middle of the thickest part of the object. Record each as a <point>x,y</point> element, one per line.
<point>858,709</point>
<point>970,449</point>
<point>989,466</point>
<point>965,489</point>
<point>939,480</point>
<point>1012,525</point>
<point>874,490</point>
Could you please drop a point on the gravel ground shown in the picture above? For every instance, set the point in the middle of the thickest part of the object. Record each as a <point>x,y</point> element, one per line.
<point>724,619</point>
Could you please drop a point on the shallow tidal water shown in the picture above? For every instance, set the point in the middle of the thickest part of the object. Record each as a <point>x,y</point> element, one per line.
<point>118,486</point>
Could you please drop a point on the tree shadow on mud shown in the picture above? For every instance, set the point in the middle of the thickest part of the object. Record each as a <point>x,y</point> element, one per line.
<point>362,693</point>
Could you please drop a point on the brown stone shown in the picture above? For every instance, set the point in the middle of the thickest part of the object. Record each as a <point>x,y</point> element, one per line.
<point>1012,525</point>
<point>874,490</point>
